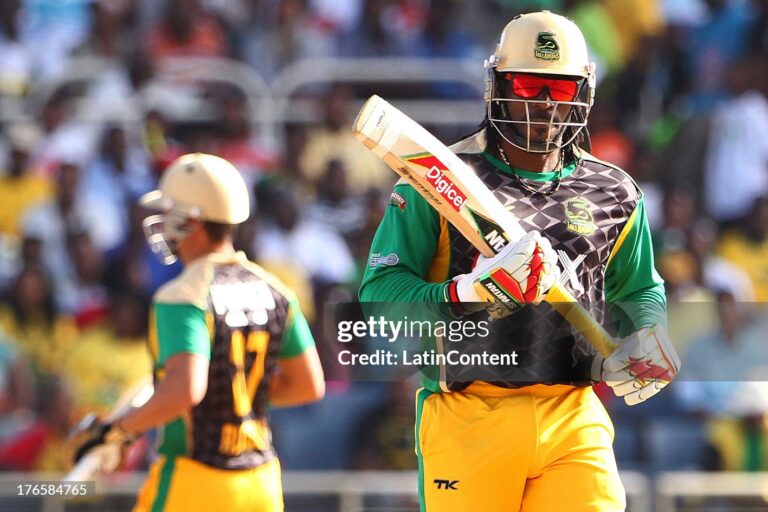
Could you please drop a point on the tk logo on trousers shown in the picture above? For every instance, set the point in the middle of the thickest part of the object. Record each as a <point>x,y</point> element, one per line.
<point>447,484</point>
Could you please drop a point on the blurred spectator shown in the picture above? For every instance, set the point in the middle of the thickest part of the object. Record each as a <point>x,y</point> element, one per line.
<point>759,36</point>
<point>294,145</point>
<point>187,29</point>
<point>159,142</point>
<point>714,46</point>
<point>375,201</point>
<point>68,213</point>
<point>693,270</point>
<point>307,246</point>
<point>110,356</point>
<point>375,35</point>
<point>104,39</point>
<point>444,37</point>
<point>16,388</point>
<point>746,246</point>
<point>88,295</point>
<point>51,29</point>
<point>31,318</point>
<point>384,438</point>
<point>601,34</point>
<point>128,91</point>
<point>635,22</point>
<point>679,214</point>
<point>41,445</point>
<point>236,141</point>
<point>736,167</point>
<point>684,13</point>
<point>117,176</point>
<point>63,140</point>
<point>719,380</point>
<point>293,34</point>
<point>717,272</point>
<point>20,187</point>
<point>339,15</point>
<point>15,58</point>
<point>609,142</point>
<point>645,169</point>
<point>332,142</point>
<point>336,208</point>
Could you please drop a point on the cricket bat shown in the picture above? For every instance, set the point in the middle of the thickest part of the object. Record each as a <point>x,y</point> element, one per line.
<point>102,457</point>
<point>458,194</point>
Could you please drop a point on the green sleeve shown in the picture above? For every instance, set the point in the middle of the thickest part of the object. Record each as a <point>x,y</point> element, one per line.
<point>297,337</point>
<point>181,328</point>
<point>633,288</point>
<point>402,251</point>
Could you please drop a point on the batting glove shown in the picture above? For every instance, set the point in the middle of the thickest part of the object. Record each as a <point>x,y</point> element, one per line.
<point>92,434</point>
<point>643,365</point>
<point>521,273</point>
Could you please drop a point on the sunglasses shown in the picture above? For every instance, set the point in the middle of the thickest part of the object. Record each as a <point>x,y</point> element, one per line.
<point>531,86</point>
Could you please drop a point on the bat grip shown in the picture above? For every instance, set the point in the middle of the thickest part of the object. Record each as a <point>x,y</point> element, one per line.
<point>86,468</point>
<point>566,304</point>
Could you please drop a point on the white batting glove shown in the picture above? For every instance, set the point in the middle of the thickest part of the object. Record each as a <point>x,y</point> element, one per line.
<point>643,365</point>
<point>521,273</point>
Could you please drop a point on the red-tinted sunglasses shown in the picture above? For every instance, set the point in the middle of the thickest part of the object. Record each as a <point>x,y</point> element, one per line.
<point>530,86</point>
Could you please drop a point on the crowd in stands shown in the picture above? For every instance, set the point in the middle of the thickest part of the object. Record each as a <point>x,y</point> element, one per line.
<point>681,106</point>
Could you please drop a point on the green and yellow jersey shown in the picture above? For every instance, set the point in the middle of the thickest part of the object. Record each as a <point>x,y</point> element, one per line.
<point>595,221</point>
<point>243,320</point>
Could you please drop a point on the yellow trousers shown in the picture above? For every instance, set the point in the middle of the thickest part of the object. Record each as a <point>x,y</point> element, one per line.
<point>535,449</point>
<point>182,484</point>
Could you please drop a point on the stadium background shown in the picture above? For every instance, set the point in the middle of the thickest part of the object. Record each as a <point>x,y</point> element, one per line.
<point>96,97</point>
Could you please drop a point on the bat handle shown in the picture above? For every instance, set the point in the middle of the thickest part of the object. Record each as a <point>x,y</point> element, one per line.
<point>566,304</point>
<point>86,468</point>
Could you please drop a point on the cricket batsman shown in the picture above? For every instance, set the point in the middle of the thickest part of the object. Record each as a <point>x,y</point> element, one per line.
<point>531,437</point>
<point>227,340</point>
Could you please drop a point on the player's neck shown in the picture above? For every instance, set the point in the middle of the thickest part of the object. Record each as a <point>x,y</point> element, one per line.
<point>534,162</point>
<point>191,253</point>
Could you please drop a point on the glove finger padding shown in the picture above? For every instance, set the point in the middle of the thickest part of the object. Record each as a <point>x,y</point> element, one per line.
<point>520,274</point>
<point>644,364</point>
<point>644,393</point>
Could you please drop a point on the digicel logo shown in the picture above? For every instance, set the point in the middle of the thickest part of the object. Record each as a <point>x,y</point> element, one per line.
<point>440,181</point>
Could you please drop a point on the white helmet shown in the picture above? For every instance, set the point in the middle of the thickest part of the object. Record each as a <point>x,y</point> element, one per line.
<point>540,43</point>
<point>195,186</point>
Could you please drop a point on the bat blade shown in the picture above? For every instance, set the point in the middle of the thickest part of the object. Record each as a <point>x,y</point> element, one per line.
<point>101,457</point>
<point>442,178</point>
<point>450,186</point>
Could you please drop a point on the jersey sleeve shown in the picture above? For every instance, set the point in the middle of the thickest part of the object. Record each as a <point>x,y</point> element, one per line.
<point>297,337</point>
<point>402,251</point>
<point>181,328</point>
<point>633,288</point>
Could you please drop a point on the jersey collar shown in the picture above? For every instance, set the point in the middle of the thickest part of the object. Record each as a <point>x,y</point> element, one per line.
<point>529,175</point>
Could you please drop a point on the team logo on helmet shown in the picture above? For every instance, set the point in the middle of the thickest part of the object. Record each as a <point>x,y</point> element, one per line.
<point>579,218</point>
<point>546,46</point>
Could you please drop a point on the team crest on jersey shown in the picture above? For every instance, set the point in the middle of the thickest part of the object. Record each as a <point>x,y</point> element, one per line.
<point>579,219</point>
<point>546,46</point>
<point>397,200</point>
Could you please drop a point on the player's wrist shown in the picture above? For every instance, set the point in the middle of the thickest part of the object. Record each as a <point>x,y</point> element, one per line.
<point>451,296</point>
